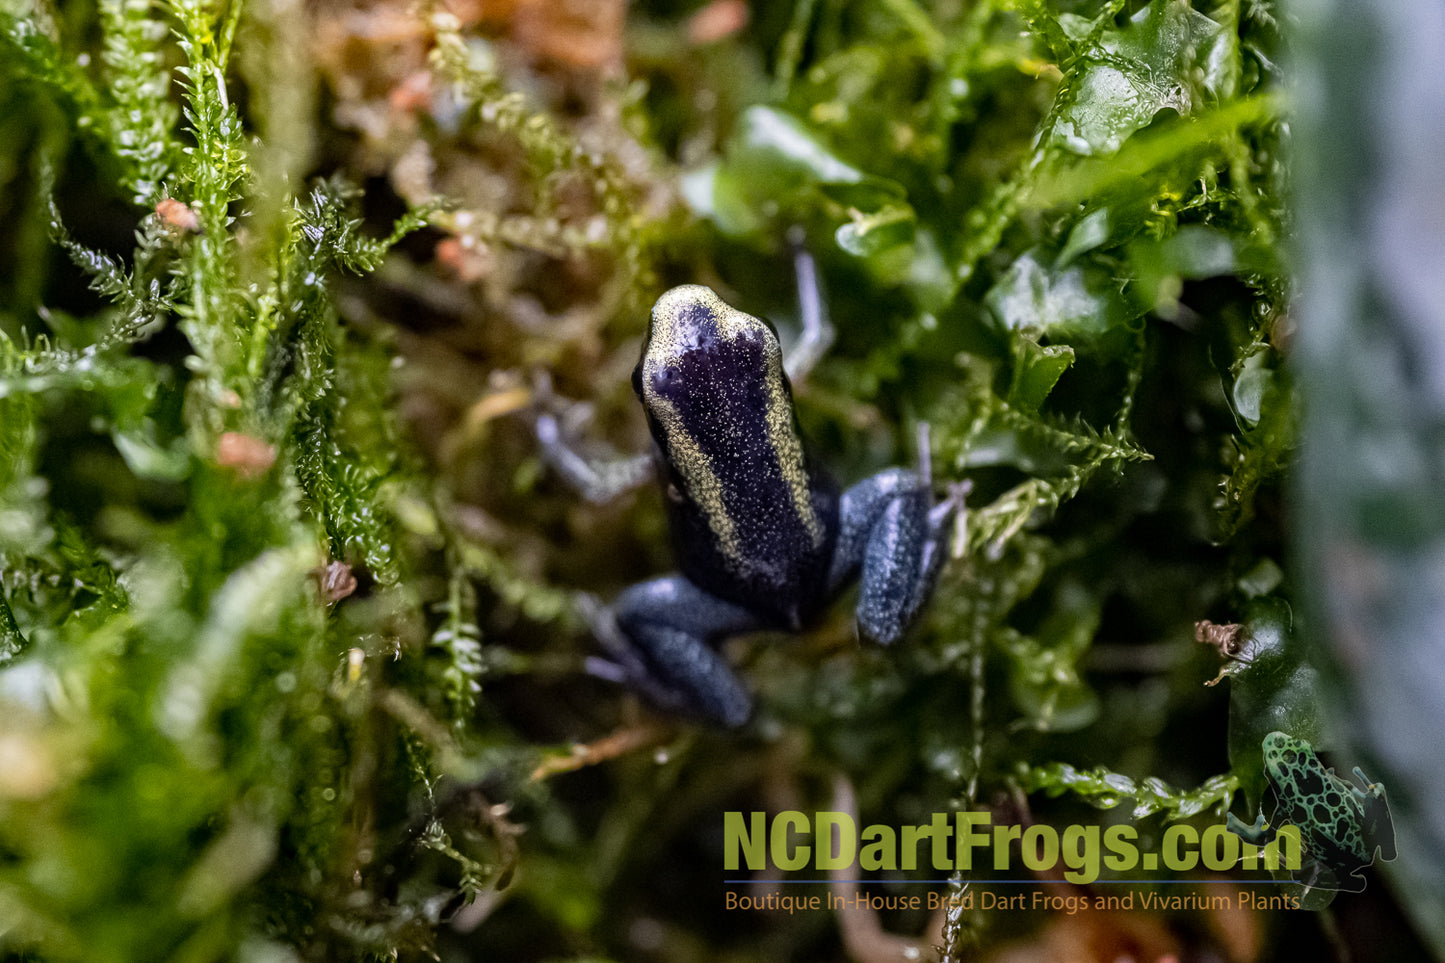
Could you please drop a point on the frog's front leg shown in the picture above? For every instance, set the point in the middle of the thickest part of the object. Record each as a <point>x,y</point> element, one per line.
<point>1260,834</point>
<point>659,635</point>
<point>817,332</point>
<point>892,534</point>
<point>558,425</point>
<point>599,481</point>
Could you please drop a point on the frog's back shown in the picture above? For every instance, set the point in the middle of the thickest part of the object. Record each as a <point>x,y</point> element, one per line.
<point>769,545</point>
<point>1317,801</point>
<point>752,520</point>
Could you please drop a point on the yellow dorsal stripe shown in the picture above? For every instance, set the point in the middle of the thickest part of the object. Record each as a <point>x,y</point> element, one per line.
<point>665,344</point>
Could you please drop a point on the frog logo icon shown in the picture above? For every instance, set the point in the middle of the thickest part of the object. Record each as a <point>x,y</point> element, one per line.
<point>1341,825</point>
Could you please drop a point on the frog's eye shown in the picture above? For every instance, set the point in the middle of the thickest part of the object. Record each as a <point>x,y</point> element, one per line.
<point>665,377</point>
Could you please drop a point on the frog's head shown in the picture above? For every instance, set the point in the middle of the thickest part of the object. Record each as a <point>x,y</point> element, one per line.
<point>1285,757</point>
<point>700,350</point>
<point>711,379</point>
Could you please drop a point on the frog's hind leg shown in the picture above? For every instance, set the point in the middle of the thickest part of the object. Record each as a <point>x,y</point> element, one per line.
<point>659,637</point>
<point>1375,822</point>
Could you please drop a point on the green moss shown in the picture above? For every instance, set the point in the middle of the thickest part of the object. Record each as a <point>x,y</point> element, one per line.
<point>184,692</point>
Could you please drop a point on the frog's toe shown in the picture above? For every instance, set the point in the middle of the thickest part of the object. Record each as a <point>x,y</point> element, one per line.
<point>677,673</point>
<point>958,491</point>
<point>600,667</point>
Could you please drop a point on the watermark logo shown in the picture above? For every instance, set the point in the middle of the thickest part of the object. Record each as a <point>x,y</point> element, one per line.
<point>967,841</point>
<point>1326,830</point>
<point>1342,824</point>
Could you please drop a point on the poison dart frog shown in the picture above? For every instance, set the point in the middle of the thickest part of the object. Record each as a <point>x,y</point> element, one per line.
<point>1340,824</point>
<point>763,537</point>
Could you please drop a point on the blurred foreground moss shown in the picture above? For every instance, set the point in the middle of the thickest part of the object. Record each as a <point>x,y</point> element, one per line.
<point>204,748</point>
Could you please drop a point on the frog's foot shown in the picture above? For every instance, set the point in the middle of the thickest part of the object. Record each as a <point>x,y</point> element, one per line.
<point>1321,874</point>
<point>658,637</point>
<point>558,424</point>
<point>900,565</point>
<point>619,664</point>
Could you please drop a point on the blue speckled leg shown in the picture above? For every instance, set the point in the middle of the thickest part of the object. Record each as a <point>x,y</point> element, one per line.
<point>659,636</point>
<point>890,528</point>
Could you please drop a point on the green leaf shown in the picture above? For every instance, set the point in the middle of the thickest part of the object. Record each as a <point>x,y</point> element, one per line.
<point>149,459</point>
<point>770,172</point>
<point>1169,56</point>
<point>1037,368</point>
<point>1080,304</point>
<point>1272,687</point>
<point>1088,233</point>
<point>869,235</point>
<point>1256,380</point>
<point>1044,668</point>
<point>776,172</point>
<point>1194,252</point>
